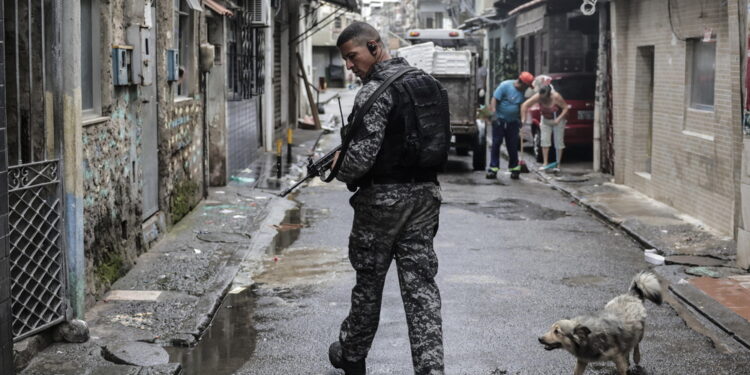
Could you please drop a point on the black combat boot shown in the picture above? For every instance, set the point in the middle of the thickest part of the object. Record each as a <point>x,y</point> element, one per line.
<point>515,172</point>
<point>336,356</point>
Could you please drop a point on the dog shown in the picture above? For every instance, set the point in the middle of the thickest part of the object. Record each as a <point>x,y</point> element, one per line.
<point>611,334</point>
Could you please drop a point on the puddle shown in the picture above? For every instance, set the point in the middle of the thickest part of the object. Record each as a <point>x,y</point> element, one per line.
<point>514,209</point>
<point>227,344</point>
<point>583,280</point>
<point>302,266</point>
<point>475,181</point>
<point>290,228</point>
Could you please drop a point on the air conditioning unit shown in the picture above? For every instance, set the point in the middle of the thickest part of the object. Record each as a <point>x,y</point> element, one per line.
<point>258,12</point>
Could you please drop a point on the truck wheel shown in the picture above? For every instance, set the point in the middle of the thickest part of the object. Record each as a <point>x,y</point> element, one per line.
<point>480,152</point>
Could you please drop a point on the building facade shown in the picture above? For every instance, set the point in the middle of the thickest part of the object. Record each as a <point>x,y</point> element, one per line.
<point>120,114</point>
<point>675,73</point>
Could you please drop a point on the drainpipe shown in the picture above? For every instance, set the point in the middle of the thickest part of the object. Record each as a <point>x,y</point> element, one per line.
<point>72,155</point>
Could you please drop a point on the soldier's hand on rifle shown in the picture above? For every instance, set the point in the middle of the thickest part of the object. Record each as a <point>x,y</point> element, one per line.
<point>335,159</point>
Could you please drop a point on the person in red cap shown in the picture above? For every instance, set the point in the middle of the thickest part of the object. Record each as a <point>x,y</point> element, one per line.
<point>506,103</point>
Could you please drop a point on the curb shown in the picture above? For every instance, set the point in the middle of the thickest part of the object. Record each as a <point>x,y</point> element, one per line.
<point>723,318</point>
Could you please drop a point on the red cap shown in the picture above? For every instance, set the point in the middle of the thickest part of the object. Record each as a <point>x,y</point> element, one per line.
<point>526,78</point>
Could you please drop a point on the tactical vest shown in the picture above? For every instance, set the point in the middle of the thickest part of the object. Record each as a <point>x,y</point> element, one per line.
<point>418,135</point>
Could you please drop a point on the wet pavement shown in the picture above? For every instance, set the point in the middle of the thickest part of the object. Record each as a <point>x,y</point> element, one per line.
<point>515,256</point>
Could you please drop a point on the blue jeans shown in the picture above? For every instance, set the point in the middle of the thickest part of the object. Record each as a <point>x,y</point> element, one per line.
<point>508,130</point>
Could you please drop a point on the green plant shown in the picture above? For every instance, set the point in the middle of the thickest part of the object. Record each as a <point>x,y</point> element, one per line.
<point>183,199</point>
<point>110,269</point>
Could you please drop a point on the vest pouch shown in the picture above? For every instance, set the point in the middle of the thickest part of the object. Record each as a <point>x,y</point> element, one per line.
<point>428,130</point>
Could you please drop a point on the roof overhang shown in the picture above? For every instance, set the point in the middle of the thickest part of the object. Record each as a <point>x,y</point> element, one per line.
<point>527,6</point>
<point>350,5</point>
<point>218,8</point>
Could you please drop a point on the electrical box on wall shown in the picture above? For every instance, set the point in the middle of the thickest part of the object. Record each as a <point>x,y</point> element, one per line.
<point>143,52</point>
<point>121,65</point>
<point>173,65</point>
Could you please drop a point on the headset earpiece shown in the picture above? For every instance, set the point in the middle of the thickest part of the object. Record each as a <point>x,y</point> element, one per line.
<point>372,47</point>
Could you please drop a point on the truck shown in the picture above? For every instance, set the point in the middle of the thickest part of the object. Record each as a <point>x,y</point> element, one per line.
<point>450,57</point>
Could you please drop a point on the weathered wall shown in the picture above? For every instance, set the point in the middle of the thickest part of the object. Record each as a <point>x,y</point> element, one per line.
<point>180,126</point>
<point>216,108</point>
<point>113,191</point>
<point>695,153</point>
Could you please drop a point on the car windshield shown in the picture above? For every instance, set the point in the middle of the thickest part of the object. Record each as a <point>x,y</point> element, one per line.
<point>576,88</point>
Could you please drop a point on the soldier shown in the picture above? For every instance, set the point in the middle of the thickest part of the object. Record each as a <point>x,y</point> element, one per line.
<point>397,202</point>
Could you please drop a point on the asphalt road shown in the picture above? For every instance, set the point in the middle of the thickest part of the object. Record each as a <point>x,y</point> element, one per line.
<point>514,256</point>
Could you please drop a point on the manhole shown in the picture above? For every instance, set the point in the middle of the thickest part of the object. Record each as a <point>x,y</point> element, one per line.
<point>223,237</point>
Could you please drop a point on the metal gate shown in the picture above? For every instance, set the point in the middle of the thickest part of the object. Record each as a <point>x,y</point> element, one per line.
<point>245,81</point>
<point>37,266</point>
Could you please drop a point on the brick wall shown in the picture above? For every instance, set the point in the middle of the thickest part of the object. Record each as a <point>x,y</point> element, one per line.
<point>694,153</point>
<point>6,336</point>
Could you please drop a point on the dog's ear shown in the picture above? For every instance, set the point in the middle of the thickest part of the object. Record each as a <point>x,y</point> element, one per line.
<point>580,333</point>
<point>581,330</point>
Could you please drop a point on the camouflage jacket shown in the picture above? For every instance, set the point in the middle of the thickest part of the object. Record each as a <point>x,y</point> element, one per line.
<point>363,150</point>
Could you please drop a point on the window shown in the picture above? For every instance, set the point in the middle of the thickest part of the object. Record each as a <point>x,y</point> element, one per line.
<point>90,59</point>
<point>701,72</point>
<point>183,42</point>
<point>245,62</point>
<point>438,20</point>
<point>337,23</point>
<point>429,24</point>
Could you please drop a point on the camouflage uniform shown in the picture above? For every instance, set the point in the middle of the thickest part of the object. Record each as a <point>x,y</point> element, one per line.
<point>391,221</point>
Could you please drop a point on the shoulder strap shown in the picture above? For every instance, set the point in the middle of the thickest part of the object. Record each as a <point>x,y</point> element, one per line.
<point>359,117</point>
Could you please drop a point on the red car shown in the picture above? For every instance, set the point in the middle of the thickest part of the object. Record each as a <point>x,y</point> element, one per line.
<point>578,90</point>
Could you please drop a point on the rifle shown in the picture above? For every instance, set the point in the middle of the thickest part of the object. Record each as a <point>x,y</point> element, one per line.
<point>319,167</point>
<point>315,168</point>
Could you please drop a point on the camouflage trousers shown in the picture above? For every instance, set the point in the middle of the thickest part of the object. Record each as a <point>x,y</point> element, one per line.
<point>396,222</point>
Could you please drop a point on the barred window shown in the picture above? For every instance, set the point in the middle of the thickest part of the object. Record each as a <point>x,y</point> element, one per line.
<point>245,62</point>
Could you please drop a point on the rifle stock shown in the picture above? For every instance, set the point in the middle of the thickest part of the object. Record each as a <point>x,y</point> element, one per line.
<point>315,169</point>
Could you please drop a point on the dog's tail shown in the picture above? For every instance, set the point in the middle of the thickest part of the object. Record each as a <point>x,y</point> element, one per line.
<point>645,285</point>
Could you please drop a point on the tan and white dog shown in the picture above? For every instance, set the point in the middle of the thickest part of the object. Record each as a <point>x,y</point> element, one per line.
<point>611,334</point>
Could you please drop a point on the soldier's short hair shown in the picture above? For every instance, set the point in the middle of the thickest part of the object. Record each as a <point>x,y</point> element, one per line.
<point>359,32</point>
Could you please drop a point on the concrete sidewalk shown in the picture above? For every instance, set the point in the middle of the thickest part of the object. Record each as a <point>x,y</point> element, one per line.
<point>699,264</point>
<point>171,294</point>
